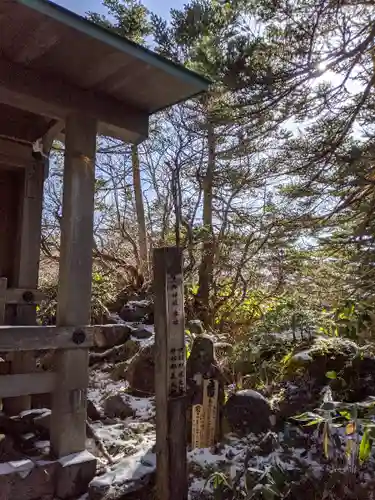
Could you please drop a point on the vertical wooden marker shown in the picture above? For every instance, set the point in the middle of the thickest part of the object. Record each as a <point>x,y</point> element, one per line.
<point>170,375</point>
<point>210,396</point>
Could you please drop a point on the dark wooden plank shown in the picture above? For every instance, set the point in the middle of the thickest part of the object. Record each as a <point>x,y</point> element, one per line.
<point>161,372</point>
<point>68,420</point>
<point>9,203</point>
<point>50,96</point>
<point>178,482</point>
<point>170,375</point>
<point>12,386</point>
<point>23,296</point>
<point>27,266</point>
<point>33,383</point>
<point>30,338</point>
<point>13,149</point>
<point>3,289</point>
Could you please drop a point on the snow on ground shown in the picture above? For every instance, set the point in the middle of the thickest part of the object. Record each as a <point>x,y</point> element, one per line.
<point>101,386</point>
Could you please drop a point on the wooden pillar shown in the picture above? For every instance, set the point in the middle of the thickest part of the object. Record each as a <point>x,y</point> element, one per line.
<point>170,375</point>
<point>68,419</point>
<point>10,180</point>
<point>27,268</point>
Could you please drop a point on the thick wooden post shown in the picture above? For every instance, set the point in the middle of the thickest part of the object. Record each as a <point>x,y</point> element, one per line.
<point>68,419</point>
<point>3,289</point>
<point>27,269</point>
<point>170,375</point>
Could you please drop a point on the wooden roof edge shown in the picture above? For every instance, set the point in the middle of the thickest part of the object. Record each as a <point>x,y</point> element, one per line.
<point>79,23</point>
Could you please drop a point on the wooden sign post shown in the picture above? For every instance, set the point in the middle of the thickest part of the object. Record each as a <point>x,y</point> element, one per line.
<point>170,375</point>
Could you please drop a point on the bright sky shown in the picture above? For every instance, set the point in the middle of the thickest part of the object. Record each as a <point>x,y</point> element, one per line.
<point>160,7</point>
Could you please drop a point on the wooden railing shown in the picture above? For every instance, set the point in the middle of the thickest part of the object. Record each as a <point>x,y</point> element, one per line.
<point>38,338</point>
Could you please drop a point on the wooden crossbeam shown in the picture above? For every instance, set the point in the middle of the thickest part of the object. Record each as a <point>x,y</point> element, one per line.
<point>53,97</point>
<point>34,338</point>
<point>18,296</point>
<point>23,296</point>
<point>12,386</point>
<point>15,154</point>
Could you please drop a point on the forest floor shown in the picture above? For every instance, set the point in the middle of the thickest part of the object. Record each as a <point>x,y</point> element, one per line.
<point>289,461</point>
<point>324,378</point>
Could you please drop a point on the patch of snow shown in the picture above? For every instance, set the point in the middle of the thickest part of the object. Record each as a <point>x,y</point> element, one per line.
<point>303,356</point>
<point>127,470</point>
<point>204,457</point>
<point>19,466</point>
<point>42,445</point>
<point>200,485</point>
<point>76,458</point>
<point>28,436</point>
<point>102,387</point>
<point>39,411</point>
<point>144,408</point>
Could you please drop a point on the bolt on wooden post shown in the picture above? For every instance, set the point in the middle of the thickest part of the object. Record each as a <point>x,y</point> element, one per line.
<point>170,375</point>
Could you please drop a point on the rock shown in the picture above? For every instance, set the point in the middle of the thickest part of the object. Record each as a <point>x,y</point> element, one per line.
<point>305,374</point>
<point>111,335</point>
<point>7,449</point>
<point>43,420</point>
<point>296,396</point>
<point>149,319</point>
<point>324,355</point>
<point>141,371</point>
<point>115,406</point>
<point>356,382</point>
<point>113,319</point>
<point>124,478</point>
<point>115,354</point>
<point>135,311</point>
<point>92,412</point>
<point>248,412</point>
<point>74,474</point>
<point>26,480</point>
<point>119,371</point>
<point>141,333</point>
<point>195,326</point>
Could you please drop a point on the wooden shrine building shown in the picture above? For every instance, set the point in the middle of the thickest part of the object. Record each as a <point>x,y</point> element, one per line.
<point>61,75</point>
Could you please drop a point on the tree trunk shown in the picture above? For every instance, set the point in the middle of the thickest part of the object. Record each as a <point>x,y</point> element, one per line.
<point>207,262</point>
<point>142,234</point>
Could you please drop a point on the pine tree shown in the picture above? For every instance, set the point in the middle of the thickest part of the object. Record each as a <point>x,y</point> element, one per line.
<point>131,20</point>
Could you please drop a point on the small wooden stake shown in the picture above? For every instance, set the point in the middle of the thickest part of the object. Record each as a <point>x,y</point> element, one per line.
<point>210,395</point>
<point>197,426</point>
<point>170,375</point>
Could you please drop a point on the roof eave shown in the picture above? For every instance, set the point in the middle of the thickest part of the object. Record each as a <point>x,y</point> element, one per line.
<point>92,30</point>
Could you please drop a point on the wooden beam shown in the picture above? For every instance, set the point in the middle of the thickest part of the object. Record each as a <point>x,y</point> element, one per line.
<point>52,134</point>
<point>50,96</point>
<point>27,266</point>
<point>68,419</point>
<point>36,338</point>
<point>3,289</point>
<point>13,386</point>
<point>170,375</point>
<point>23,296</point>
<point>17,149</point>
<point>15,154</point>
